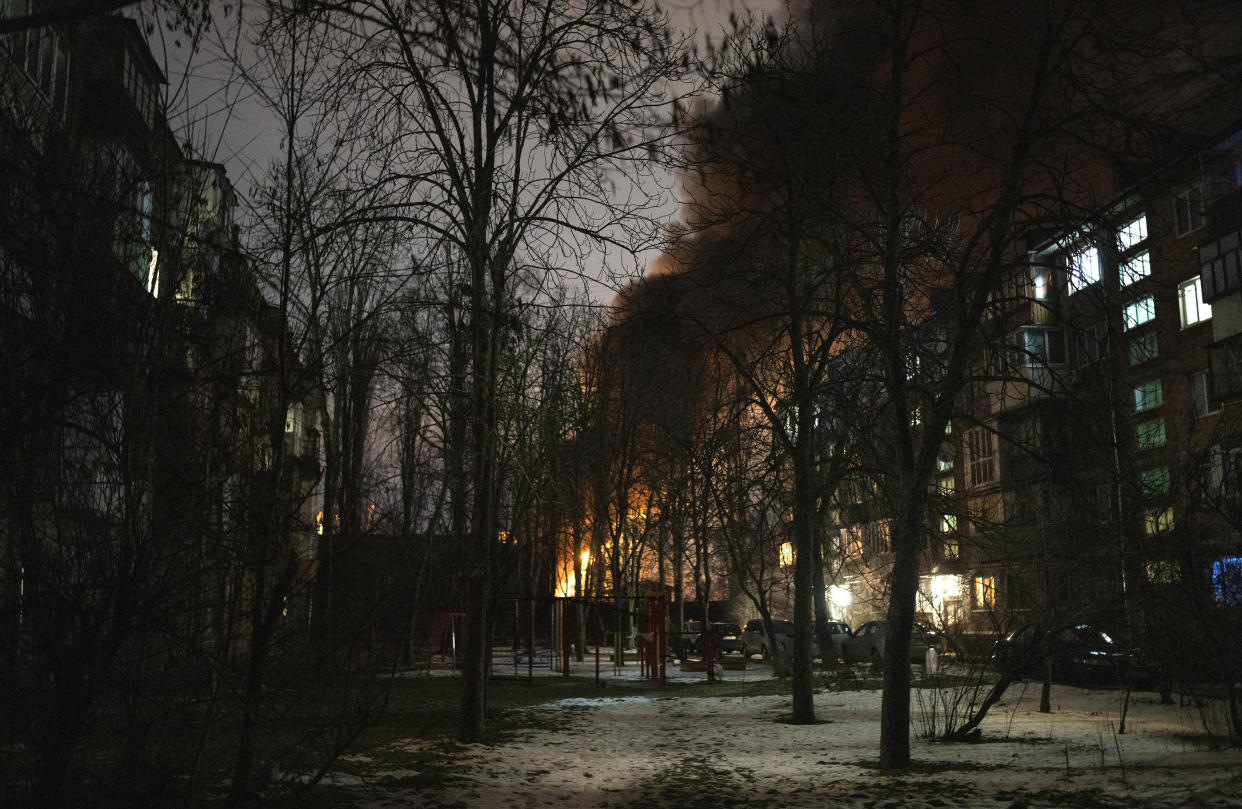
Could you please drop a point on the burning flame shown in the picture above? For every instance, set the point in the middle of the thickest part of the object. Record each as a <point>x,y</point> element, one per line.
<point>566,581</point>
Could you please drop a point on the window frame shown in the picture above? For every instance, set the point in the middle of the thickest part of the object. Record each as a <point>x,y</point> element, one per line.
<point>1143,347</point>
<point>1154,481</point>
<point>1202,402</point>
<point>1151,433</point>
<point>983,592</point>
<point>1148,395</point>
<point>1130,315</point>
<point>1188,210</point>
<point>1132,233</point>
<point>1079,272</point>
<point>1202,309</point>
<point>1134,268</point>
<point>980,465</point>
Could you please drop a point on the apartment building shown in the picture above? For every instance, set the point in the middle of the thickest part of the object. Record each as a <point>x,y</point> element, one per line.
<point>156,433</point>
<point>1093,465</point>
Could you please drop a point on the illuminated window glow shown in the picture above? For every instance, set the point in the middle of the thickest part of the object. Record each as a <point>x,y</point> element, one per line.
<point>1150,434</point>
<point>1132,232</point>
<point>1141,311</point>
<point>1190,302</point>
<point>985,592</point>
<point>1039,284</point>
<point>787,554</point>
<point>1084,269</point>
<point>1227,580</point>
<point>153,279</point>
<point>1155,481</point>
<point>1157,521</point>
<point>1164,571</point>
<point>1148,395</point>
<point>1135,268</point>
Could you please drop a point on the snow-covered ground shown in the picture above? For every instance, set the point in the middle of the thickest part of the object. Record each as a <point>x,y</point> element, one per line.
<point>723,751</point>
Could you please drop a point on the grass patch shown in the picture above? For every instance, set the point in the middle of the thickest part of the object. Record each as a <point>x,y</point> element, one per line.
<point>695,783</point>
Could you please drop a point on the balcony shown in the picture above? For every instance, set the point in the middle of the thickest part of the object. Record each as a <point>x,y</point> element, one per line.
<point>1220,261</point>
<point>1225,368</point>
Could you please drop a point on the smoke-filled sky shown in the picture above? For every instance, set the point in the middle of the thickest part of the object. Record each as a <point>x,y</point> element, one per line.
<point>211,110</point>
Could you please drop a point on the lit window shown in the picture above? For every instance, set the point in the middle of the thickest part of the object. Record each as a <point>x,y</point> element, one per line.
<point>787,554</point>
<point>1135,268</point>
<point>1084,269</point>
<point>1164,571</point>
<point>985,592</point>
<point>1201,394</point>
<point>1148,395</point>
<point>1141,311</point>
<point>293,418</point>
<point>945,485</point>
<point>980,456</point>
<point>1144,347</point>
<point>1131,233</point>
<point>1155,481</point>
<point>1150,434</point>
<point>1190,302</point>
<point>948,523</point>
<point>876,537</point>
<point>1157,521</point>
<point>1227,580</point>
<point>1039,284</point>
<point>952,549</point>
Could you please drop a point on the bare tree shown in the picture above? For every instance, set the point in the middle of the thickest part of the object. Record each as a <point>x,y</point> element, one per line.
<point>512,121</point>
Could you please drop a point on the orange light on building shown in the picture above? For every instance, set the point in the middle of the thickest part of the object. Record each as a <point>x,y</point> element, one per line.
<point>787,554</point>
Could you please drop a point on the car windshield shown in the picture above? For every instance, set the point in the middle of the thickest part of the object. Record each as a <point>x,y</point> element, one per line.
<point>727,629</point>
<point>783,627</point>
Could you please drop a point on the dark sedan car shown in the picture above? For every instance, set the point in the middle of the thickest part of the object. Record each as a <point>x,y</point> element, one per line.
<point>866,644</point>
<point>728,638</point>
<point>1082,654</point>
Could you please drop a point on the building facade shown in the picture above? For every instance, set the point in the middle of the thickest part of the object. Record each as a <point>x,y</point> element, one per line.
<point>159,449</point>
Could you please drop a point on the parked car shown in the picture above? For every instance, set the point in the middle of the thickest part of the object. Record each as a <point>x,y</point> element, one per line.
<point>688,641</point>
<point>755,641</point>
<point>838,633</point>
<point>728,638</point>
<point>866,644</point>
<point>1083,654</point>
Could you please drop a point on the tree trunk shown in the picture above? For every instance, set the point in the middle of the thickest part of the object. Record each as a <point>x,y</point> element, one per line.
<point>895,709</point>
<point>827,652</point>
